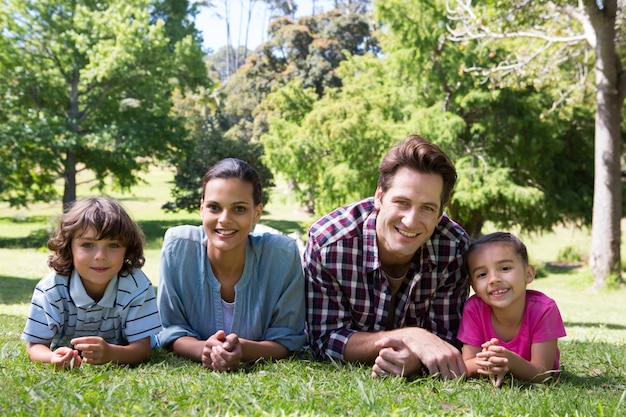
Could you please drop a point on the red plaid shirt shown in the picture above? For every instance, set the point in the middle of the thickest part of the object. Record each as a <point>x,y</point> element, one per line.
<point>347,293</point>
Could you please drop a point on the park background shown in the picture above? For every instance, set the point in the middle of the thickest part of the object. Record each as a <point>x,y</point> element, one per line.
<point>123,98</point>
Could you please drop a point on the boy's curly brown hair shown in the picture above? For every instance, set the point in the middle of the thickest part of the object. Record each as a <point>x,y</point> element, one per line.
<point>108,219</point>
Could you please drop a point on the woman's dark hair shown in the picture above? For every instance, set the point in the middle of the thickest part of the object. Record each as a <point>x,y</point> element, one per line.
<point>235,168</point>
<point>108,219</point>
<point>417,153</point>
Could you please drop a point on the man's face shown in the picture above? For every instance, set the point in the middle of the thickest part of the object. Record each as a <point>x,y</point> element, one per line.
<point>408,214</point>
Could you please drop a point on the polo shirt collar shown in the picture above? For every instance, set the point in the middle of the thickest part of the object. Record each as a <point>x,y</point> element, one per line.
<point>82,299</point>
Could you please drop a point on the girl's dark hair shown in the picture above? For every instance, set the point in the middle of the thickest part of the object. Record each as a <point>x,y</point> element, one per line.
<point>235,168</point>
<point>108,219</point>
<point>417,153</point>
<point>504,237</point>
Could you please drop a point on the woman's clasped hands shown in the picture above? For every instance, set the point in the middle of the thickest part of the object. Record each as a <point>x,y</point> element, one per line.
<point>222,352</point>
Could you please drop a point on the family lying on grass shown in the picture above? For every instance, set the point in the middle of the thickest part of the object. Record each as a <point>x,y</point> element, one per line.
<point>383,281</point>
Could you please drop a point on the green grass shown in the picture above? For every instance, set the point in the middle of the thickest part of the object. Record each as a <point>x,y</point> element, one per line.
<point>593,382</point>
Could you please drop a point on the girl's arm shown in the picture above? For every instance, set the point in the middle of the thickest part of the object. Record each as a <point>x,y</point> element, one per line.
<point>469,357</point>
<point>537,369</point>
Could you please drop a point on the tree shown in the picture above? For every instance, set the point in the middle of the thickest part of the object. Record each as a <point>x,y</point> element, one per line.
<point>309,49</point>
<point>207,124</point>
<point>559,34</point>
<point>87,86</point>
<point>226,60</point>
<point>505,144</point>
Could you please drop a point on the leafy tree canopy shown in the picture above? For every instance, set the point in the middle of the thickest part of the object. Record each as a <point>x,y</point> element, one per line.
<point>506,142</point>
<point>207,125</point>
<point>87,86</point>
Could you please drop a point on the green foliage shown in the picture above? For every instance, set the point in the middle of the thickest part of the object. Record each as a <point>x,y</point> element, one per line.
<point>331,147</point>
<point>569,254</point>
<point>227,59</point>
<point>88,86</point>
<point>209,146</point>
<point>308,50</point>
<point>520,161</point>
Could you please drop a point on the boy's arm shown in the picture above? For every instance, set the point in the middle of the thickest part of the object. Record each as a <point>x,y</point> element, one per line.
<point>62,357</point>
<point>97,351</point>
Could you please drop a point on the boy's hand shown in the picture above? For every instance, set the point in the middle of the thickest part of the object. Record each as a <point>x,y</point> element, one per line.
<point>65,358</point>
<point>94,349</point>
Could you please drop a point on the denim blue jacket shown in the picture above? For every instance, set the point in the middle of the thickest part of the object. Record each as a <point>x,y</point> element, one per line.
<point>269,297</point>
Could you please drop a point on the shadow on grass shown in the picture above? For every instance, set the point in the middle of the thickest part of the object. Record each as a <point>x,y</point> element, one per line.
<point>610,326</point>
<point>36,239</point>
<point>285,226</point>
<point>16,290</point>
<point>11,325</point>
<point>590,380</point>
<point>155,229</point>
<point>556,268</point>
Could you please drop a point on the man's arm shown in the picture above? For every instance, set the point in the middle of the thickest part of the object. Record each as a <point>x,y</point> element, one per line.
<point>412,349</point>
<point>326,316</point>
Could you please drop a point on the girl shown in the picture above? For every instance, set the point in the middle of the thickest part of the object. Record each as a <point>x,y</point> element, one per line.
<point>507,328</point>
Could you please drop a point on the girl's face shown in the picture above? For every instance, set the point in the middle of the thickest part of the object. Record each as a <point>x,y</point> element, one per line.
<point>499,275</point>
<point>228,213</point>
<point>97,261</point>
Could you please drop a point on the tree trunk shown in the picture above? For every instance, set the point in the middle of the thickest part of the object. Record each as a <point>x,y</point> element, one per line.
<point>69,175</point>
<point>604,258</point>
<point>69,165</point>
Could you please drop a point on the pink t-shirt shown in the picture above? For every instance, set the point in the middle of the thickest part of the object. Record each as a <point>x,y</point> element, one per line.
<point>542,322</point>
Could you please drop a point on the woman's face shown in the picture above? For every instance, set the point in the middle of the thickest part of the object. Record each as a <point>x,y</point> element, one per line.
<point>228,213</point>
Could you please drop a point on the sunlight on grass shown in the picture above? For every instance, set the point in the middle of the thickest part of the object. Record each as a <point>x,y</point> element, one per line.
<point>593,353</point>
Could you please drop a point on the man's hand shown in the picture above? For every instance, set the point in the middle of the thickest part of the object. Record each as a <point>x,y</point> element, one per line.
<point>406,354</point>
<point>394,358</point>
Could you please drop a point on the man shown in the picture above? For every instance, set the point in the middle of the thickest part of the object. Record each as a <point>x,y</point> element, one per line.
<point>385,277</point>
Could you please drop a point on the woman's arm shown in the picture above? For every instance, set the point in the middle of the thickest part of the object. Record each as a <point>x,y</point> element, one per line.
<point>264,350</point>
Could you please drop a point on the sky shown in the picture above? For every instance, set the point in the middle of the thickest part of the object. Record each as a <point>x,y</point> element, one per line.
<point>213,27</point>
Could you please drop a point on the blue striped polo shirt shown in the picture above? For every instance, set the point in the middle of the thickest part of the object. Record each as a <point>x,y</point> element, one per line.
<point>61,310</point>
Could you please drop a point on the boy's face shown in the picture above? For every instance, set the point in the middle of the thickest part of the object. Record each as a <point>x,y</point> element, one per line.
<point>97,261</point>
<point>499,275</point>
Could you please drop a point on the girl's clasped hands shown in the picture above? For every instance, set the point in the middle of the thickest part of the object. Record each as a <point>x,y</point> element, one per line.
<point>493,361</point>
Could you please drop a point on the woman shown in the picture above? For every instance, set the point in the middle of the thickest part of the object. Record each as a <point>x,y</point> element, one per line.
<point>227,296</point>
